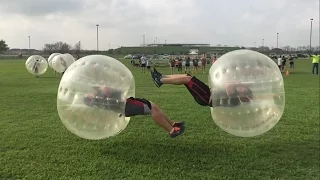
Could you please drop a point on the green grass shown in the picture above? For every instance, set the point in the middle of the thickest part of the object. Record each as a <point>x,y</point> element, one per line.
<point>34,144</point>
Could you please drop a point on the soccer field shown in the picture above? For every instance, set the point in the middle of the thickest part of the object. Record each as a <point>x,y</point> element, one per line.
<point>34,144</point>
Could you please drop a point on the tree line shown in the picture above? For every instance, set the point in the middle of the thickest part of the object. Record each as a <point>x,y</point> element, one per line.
<point>63,47</point>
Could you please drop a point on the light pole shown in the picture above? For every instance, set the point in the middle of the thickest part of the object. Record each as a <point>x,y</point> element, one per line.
<point>165,41</point>
<point>254,44</point>
<point>144,40</point>
<point>311,33</point>
<point>29,45</point>
<point>156,40</point>
<point>97,37</point>
<point>262,42</point>
<point>277,40</point>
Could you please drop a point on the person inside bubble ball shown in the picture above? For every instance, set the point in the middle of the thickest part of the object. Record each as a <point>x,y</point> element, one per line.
<point>230,96</point>
<point>36,67</point>
<point>111,99</point>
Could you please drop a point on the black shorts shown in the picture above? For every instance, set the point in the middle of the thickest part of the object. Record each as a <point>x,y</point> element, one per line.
<point>199,91</point>
<point>187,65</point>
<point>148,67</point>
<point>137,106</point>
<point>201,94</point>
<point>143,65</point>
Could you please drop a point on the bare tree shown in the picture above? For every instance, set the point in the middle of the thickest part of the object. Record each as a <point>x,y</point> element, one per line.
<point>3,47</point>
<point>286,48</point>
<point>77,49</point>
<point>58,47</point>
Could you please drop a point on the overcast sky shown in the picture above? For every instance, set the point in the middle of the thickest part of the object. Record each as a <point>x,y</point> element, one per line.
<point>123,22</point>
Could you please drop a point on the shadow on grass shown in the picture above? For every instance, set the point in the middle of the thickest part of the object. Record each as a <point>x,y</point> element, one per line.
<point>162,152</point>
<point>49,77</point>
<point>206,155</point>
<point>299,72</point>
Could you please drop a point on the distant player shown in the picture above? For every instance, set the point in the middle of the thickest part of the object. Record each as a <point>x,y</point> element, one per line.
<point>291,63</point>
<point>315,64</point>
<point>214,59</point>
<point>148,64</point>
<point>143,61</point>
<point>171,64</point>
<point>110,99</point>
<point>187,65</point>
<point>232,95</point>
<point>180,64</point>
<point>280,63</point>
<point>283,64</point>
<point>195,62</point>
<point>203,63</point>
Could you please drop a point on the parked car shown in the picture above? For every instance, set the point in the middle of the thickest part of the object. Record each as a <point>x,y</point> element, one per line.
<point>129,56</point>
<point>155,56</point>
<point>136,56</point>
<point>165,56</point>
<point>273,56</point>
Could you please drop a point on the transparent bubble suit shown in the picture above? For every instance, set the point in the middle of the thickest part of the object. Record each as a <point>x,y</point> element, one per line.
<point>61,62</point>
<point>36,65</point>
<point>254,71</point>
<point>91,122</point>
<point>51,58</point>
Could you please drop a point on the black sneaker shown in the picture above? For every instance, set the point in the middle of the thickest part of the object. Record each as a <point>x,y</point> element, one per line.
<point>178,124</point>
<point>156,78</point>
<point>177,131</point>
<point>157,72</point>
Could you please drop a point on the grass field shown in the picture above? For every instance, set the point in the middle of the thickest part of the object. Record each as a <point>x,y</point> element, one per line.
<point>34,144</point>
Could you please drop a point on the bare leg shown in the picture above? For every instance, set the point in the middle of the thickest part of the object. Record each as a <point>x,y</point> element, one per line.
<point>161,119</point>
<point>178,80</point>
<point>174,75</point>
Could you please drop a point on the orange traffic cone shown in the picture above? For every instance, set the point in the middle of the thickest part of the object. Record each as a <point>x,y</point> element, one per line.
<point>287,73</point>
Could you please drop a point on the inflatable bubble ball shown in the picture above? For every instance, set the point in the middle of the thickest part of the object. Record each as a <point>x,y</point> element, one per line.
<point>91,97</point>
<point>36,65</point>
<point>51,58</point>
<point>248,95</point>
<point>60,63</point>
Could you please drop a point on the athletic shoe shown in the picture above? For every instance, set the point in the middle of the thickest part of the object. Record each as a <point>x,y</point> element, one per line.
<point>157,72</point>
<point>176,131</point>
<point>178,124</point>
<point>156,79</point>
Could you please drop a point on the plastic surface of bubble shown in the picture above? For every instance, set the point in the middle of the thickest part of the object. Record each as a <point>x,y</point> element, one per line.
<point>93,122</point>
<point>36,65</point>
<point>60,63</point>
<point>248,95</point>
<point>51,58</point>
